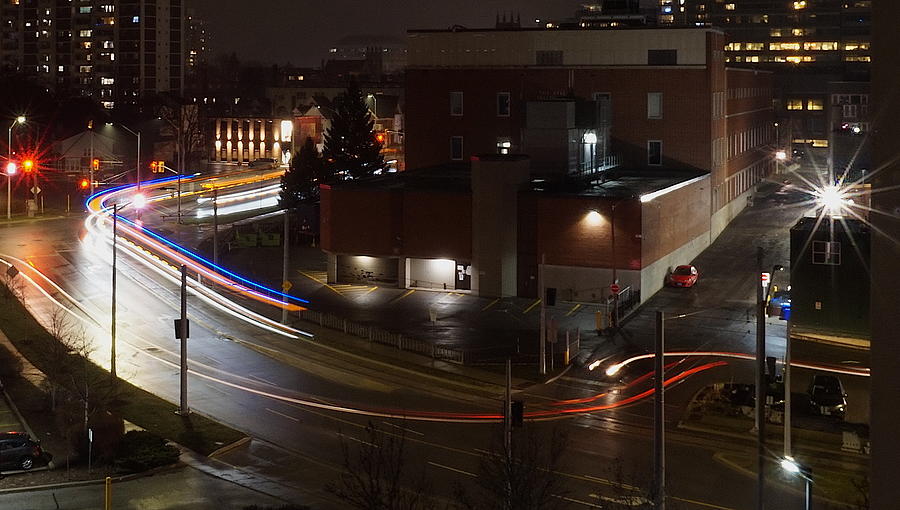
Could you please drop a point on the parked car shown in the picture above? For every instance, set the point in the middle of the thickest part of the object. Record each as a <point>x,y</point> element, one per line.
<point>827,396</point>
<point>19,451</point>
<point>683,276</point>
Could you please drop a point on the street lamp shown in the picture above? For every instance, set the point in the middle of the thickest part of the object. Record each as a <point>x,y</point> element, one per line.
<point>138,165</point>
<point>790,465</point>
<point>19,120</point>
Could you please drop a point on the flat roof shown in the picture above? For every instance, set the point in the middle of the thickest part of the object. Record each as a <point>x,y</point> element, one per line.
<point>457,178</point>
<point>462,29</point>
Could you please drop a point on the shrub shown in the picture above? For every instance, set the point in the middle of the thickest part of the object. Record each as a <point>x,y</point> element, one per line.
<point>140,450</point>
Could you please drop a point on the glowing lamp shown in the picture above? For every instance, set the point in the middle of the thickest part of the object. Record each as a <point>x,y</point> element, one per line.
<point>28,165</point>
<point>85,183</point>
<point>139,201</point>
<point>781,155</point>
<point>11,168</point>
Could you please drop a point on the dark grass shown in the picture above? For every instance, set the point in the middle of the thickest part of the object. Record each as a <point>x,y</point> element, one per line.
<point>133,404</point>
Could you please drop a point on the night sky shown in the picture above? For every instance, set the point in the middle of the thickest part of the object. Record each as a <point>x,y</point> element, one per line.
<point>301,31</point>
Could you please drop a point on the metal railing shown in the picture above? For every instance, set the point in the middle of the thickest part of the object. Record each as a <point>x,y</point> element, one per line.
<point>379,336</point>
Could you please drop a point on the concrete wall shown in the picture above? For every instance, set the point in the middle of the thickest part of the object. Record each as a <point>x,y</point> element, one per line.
<point>587,284</point>
<point>722,217</point>
<point>673,219</point>
<point>365,270</point>
<point>653,277</point>
<point>431,273</point>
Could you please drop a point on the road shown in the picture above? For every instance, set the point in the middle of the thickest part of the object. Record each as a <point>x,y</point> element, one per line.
<point>284,391</point>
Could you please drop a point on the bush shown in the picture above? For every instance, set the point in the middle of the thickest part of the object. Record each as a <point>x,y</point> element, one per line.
<point>140,450</point>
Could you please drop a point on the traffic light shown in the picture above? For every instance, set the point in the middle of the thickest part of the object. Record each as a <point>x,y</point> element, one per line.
<point>379,137</point>
<point>153,166</point>
<point>84,184</point>
<point>158,166</point>
<point>96,164</point>
<point>28,165</point>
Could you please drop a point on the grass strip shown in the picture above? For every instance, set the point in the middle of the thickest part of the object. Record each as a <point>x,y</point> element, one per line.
<point>134,404</point>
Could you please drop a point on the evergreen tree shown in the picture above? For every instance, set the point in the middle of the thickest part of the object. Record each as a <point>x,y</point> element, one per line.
<point>350,144</point>
<point>300,183</point>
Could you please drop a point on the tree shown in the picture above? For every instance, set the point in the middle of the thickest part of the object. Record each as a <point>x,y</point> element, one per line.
<point>300,183</point>
<point>376,476</point>
<point>350,144</point>
<point>524,477</point>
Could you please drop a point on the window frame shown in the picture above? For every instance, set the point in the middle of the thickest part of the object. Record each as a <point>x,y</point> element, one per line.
<point>462,104</point>
<point>508,104</point>
<point>659,105</point>
<point>461,147</point>
<point>649,143</point>
<point>825,254</point>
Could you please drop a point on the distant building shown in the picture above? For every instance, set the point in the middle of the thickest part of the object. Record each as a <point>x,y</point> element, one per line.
<point>808,44</point>
<point>111,50</point>
<point>830,277</point>
<point>389,51</point>
<point>196,42</point>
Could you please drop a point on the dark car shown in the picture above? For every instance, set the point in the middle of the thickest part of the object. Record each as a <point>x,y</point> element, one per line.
<point>827,396</point>
<point>19,451</point>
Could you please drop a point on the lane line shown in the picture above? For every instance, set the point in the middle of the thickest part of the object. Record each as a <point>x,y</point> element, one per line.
<point>282,415</point>
<point>460,471</point>
<point>402,428</point>
<point>532,306</point>
<point>405,294</point>
<point>492,303</point>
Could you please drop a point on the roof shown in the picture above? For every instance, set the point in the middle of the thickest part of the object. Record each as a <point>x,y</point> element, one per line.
<point>457,178</point>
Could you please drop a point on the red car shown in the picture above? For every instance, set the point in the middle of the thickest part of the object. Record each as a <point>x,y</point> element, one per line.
<point>683,276</point>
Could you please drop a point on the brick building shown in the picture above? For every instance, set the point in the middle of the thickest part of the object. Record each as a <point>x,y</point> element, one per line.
<point>665,96</point>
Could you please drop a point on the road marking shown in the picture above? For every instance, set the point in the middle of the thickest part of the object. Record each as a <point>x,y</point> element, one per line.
<point>358,440</point>
<point>573,310</point>
<point>321,282</point>
<point>402,428</point>
<point>372,289</point>
<point>260,379</point>
<point>578,501</point>
<point>700,503</point>
<point>398,298</point>
<point>460,471</point>
<point>492,303</point>
<point>282,415</point>
<point>532,306</point>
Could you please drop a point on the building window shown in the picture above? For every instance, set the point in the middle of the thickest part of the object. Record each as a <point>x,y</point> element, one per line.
<point>849,111</point>
<point>815,104</point>
<point>84,9</point>
<point>456,104</point>
<point>654,105</point>
<point>84,33</point>
<point>503,104</point>
<point>795,104</point>
<point>654,152</point>
<point>136,19</point>
<point>826,252</point>
<point>503,145</point>
<point>456,148</point>
<point>662,57</point>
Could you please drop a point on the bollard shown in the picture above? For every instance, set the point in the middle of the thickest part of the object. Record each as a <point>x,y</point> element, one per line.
<point>108,494</point>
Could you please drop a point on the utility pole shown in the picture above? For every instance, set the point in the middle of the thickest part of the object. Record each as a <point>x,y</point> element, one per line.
<point>183,334</point>
<point>507,428</point>
<point>787,391</point>
<point>91,161</point>
<point>285,284</point>
<point>659,424</point>
<point>112,327</point>
<point>542,363</point>
<point>216,226</point>
<point>760,383</point>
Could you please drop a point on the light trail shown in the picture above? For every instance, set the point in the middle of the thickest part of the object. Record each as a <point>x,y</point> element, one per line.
<point>615,368</point>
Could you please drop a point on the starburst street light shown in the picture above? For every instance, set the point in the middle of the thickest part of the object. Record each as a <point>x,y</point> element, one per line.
<point>832,199</point>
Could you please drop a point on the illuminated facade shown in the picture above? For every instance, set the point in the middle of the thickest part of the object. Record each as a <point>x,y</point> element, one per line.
<point>243,140</point>
<point>110,50</point>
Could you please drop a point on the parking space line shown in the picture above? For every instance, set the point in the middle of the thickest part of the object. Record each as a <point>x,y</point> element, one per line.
<point>492,303</point>
<point>398,298</point>
<point>573,310</point>
<point>372,289</point>
<point>313,278</point>
<point>532,306</point>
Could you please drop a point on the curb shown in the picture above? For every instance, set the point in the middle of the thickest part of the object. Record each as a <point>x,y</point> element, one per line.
<point>96,481</point>
<point>228,447</point>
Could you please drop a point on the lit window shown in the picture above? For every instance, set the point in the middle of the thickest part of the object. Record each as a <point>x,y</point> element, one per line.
<point>754,46</point>
<point>503,145</point>
<point>456,104</point>
<point>84,9</point>
<point>815,104</point>
<point>819,143</point>
<point>84,33</point>
<point>109,105</point>
<point>795,104</point>
<point>729,7</point>
<point>654,105</point>
<point>107,81</point>
<point>801,4</point>
<point>136,19</point>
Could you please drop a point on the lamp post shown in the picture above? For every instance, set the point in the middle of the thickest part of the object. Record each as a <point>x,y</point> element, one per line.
<point>138,164</point>
<point>112,329</point>
<point>19,120</point>
<point>790,465</point>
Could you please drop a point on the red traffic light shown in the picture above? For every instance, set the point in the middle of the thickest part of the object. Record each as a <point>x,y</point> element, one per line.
<point>380,137</point>
<point>153,165</point>
<point>85,183</point>
<point>28,165</point>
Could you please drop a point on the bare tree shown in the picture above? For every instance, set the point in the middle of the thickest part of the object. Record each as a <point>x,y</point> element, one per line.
<point>523,477</point>
<point>14,286</point>
<point>376,475</point>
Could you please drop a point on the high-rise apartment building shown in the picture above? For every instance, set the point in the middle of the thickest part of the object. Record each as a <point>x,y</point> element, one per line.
<point>818,50</point>
<point>110,50</point>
